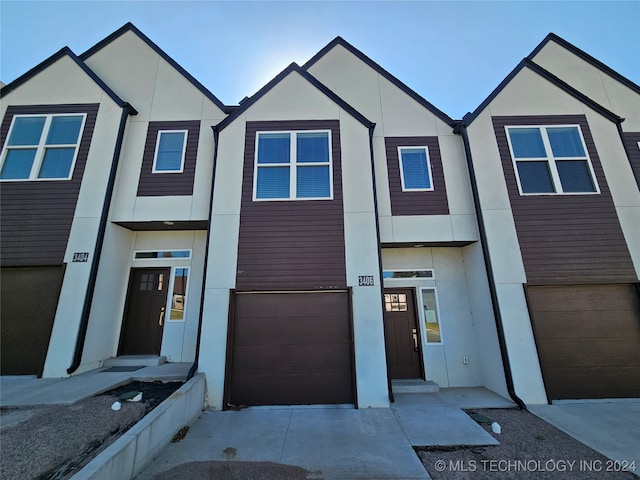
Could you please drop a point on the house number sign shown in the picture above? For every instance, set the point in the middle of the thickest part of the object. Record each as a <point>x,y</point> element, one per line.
<point>80,257</point>
<point>365,280</point>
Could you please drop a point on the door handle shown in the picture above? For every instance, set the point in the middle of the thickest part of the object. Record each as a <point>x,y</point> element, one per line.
<point>415,340</point>
<point>161,321</point>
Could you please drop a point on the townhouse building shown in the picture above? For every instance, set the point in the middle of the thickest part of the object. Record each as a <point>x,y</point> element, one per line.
<point>332,234</point>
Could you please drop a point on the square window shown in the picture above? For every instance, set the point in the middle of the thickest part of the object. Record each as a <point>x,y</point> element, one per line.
<point>415,168</point>
<point>293,165</point>
<point>535,177</point>
<point>527,143</point>
<point>41,147</point>
<point>26,131</point>
<point>274,148</point>
<point>56,162</point>
<point>170,150</point>
<point>18,163</point>
<point>575,176</point>
<point>551,160</point>
<point>273,182</point>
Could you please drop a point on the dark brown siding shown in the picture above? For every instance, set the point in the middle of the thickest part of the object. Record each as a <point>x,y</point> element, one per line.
<point>291,244</point>
<point>416,203</point>
<point>566,238</point>
<point>633,148</point>
<point>36,216</point>
<point>163,184</point>
<point>291,349</point>
<point>588,339</point>
<point>27,308</point>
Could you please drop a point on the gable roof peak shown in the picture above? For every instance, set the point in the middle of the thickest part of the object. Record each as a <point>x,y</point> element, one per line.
<point>584,56</point>
<point>130,27</point>
<point>381,71</point>
<point>246,103</point>
<point>63,52</point>
<point>550,77</point>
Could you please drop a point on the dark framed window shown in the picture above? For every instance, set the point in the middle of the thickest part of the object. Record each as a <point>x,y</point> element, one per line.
<point>551,160</point>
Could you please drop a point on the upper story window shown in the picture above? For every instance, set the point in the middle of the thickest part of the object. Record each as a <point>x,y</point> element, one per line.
<point>415,169</point>
<point>293,166</point>
<point>41,147</point>
<point>170,149</point>
<point>551,160</point>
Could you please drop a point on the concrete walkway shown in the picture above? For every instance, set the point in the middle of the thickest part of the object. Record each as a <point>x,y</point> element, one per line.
<point>335,443</point>
<point>22,391</point>
<point>611,428</point>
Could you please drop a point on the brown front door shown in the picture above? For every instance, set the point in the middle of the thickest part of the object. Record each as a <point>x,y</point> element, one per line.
<point>401,333</point>
<point>145,312</point>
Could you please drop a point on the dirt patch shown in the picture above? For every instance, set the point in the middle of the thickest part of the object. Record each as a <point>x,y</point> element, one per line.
<point>53,442</point>
<point>529,449</point>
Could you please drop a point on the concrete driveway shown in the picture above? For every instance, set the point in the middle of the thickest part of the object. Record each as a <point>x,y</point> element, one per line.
<point>334,443</point>
<point>609,427</point>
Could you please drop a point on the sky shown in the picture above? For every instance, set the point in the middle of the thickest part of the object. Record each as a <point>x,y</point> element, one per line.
<point>452,53</point>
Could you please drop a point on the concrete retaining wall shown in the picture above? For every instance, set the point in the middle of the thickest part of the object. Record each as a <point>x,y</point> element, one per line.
<point>128,455</point>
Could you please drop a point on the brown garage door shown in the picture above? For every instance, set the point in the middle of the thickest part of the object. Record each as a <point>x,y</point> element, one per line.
<point>588,340</point>
<point>28,304</point>
<point>290,349</point>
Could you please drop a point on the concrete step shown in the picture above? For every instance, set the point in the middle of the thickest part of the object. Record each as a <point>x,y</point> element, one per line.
<point>134,361</point>
<point>414,386</point>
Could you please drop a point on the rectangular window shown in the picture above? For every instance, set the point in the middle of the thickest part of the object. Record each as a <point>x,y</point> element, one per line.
<point>162,254</point>
<point>179,294</point>
<point>42,147</point>
<point>170,150</point>
<point>431,319</point>
<point>551,160</point>
<point>293,166</point>
<point>415,169</point>
<point>401,274</point>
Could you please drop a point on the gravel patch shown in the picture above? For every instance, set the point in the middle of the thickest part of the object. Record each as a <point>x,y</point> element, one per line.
<point>53,442</point>
<point>529,448</point>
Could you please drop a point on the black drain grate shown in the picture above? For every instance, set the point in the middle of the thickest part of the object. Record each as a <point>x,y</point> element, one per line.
<point>122,369</point>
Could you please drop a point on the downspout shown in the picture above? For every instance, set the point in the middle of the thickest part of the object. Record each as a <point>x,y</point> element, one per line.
<point>127,110</point>
<point>375,207</point>
<point>194,367</point>
<point>461,129</point>
<point>624,145</point>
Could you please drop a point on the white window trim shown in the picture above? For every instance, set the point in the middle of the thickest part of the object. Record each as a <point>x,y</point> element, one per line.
<point>184,151</point>
<point>551,160</point>
<point>426,150</point>
<point>172,282</point>
<point>41,147</point>
<point>293,165</point>
<point>423,320</point>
